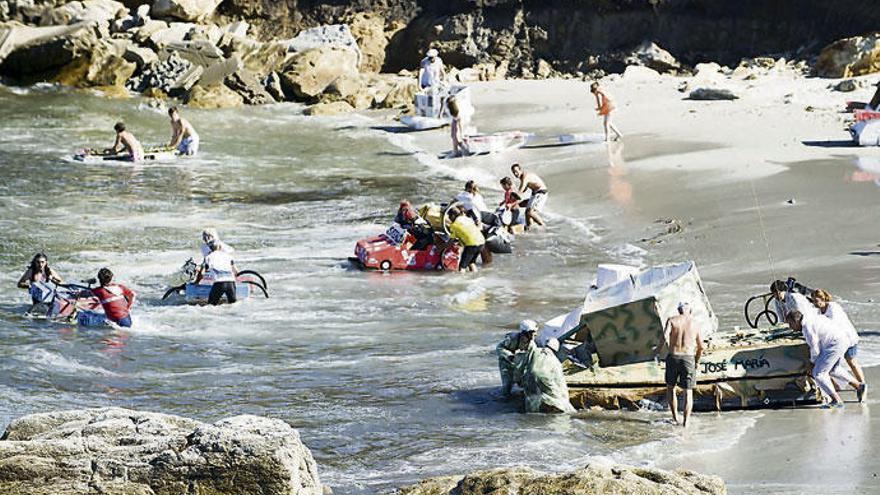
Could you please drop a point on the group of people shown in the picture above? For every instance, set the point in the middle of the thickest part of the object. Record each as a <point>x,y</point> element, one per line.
<point>117,300</point>
<point>471,218</point>
<point>831,338</point>
<point>184,138</point>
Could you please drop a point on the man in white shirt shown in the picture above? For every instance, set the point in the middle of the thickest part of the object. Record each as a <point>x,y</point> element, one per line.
<point>431,71</point>
<point>827,346</point>
<point>473,204</point>
<point>220,267</point>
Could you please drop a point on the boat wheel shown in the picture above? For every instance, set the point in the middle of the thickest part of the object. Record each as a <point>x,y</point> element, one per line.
<point>385,265</point>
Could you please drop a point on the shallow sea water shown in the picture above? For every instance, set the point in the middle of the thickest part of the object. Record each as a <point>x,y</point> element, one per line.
<point>389,378</point>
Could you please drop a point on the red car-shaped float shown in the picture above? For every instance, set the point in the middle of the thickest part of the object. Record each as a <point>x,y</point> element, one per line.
<point>394,250</point>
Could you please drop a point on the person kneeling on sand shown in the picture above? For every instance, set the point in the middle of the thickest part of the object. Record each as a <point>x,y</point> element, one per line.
<point>604,108</point>
<point>183,135</point>
<point>529,181</point>
<point>834,312</point>
<point>684,344</point>
<point>466,231</point>
<point>126,141</point>
<point>116,299</point>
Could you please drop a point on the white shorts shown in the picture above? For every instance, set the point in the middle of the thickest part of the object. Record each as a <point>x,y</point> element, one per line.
<point>537,201</point>
<point>188,146</point>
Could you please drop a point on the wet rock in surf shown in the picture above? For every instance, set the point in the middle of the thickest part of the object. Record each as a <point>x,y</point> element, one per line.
<point>215,96</point>
<point>590,480</point>
<point>115,450</point>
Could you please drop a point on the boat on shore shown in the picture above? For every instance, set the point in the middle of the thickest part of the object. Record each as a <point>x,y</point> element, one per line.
<point>610,346</point>
<point>432,107</point>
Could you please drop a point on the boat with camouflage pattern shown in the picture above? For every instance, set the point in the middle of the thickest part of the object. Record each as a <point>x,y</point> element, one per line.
<point>611,346</point>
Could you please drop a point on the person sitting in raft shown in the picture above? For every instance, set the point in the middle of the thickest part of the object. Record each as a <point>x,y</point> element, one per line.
<point>431,71</point>
<point>466,231</point>
<point>510,359</point>
<point>834,312</point>
<point>38,271</point>
<point>210,236</point>
<point>116,299</point>
<point>127,142</point>
<point>408,218</point>
<point>220,267</point>
<point>183,135</point>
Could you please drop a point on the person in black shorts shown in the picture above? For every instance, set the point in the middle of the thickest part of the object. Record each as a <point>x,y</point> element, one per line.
<point>684,342</point>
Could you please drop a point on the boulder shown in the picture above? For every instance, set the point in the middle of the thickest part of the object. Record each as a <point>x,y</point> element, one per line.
<point>640,73</point>
<point>399,93</point>
<point>850,57</point>
<point>707,70</point>
<point>594,479</point>
<point>331,108</point>
<point>216,96</point>
<point>185,10</point>
<point>334,35</point>
<point>140,56</point>
<point>143,33</point>
<point>543,70</point>
<point>272,83</point>
<point>368,30</point>
<point>115,450</point>
<point>101,11</point>
<point>848,85</point>
<point>310,72</point>
<point>712,94</point>
<point>259,58</point>
<point>220,70</point>
<point>36,51</point>
<point>173,75</point>
<point>175,32</point>
<point>200,52</point>
<point>246,84</point>
<point>650,55</point>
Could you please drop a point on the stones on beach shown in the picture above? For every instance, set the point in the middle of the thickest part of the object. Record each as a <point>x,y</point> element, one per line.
<point>246,84</point>
<point>649,54</point>
<point>848,85</point>
<point>115,450</point>
<point>850,57</point>
<point>593,479</point>
<point>214,96</point>
<point>310,72</point>
<point>185,10</point>
<point>708,93</point>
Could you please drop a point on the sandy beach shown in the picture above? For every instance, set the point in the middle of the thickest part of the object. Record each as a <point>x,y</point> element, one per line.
<point>764,187</point>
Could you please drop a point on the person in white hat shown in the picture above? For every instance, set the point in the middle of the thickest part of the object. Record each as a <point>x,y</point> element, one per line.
<point>511,353</point>
<point>431,71</point>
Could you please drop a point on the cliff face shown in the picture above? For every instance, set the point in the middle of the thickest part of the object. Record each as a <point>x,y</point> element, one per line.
<point>568,32</point>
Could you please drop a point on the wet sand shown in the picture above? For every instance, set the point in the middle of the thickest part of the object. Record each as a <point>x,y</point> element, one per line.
<point>763,187</point>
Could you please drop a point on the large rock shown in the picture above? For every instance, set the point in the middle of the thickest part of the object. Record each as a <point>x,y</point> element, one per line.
<point>310,72</point>
<point>650,55</point>
<point>590,480</point>
<point>334,35</point>
<point>120,451</point>
<point>201,52</point>
<point>850,57</point>
<point>173,75</point>
<point>712,94</point>
<point>185,10</point>
<point>101,11</point>
<point>400,93</point>
<point>37,51</point>
<point>331,108</point>
<point>161,36</point>
<point>216,96</point>
<point>246,84</point>
<point>368,30</point>
<point>104,66</point>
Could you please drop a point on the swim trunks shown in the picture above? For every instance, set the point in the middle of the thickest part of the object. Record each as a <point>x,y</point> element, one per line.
<point>189,146</point>
<point>537,200</point>
<point>681,369</point>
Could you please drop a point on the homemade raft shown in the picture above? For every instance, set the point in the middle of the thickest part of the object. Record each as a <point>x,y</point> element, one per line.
<point>89,155</point>
<point>611,343</point>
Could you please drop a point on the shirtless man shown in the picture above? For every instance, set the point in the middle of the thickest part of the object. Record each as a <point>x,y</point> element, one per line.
<point>684,343</point>
<point>183,135</point>
<point>529,181</point>
<point>126,141</point>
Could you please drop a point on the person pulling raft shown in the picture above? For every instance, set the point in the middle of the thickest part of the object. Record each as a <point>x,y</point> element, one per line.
<point>221,267</point>
<point>116,299</point>
<point>184,137</point>
<point>127,142</point>
<point>38,271</point>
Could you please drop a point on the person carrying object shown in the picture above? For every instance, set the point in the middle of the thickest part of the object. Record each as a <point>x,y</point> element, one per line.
<point>510,354</point>
<point>116,299</point>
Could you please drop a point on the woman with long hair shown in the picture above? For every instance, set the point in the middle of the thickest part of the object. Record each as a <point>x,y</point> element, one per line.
<point>38,271</point>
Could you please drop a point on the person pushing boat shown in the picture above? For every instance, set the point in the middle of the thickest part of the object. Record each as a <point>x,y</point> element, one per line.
<point>220,267</point>
<point>529,181</point>
<point>125,141</point>
<point>116,299</point>
<point>38,271</point>
<point>184,137</point>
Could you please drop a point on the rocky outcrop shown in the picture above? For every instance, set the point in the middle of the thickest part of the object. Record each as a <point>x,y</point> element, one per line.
<point>590,480</point>
<point>185,10</point>
<point>35,51</point>
<point>850,57</point>
<point>120,451</point>
<point>214,96</point>
<point>310,73</point>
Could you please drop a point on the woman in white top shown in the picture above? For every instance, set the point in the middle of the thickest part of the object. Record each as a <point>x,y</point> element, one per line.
<point>834,312</point>
<point>210,236</point>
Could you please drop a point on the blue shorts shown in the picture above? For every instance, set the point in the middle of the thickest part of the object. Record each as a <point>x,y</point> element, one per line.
<point>124,322</point>
<point>852,352</point>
